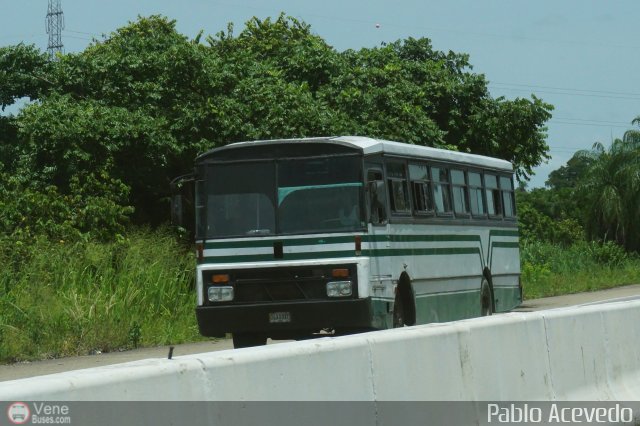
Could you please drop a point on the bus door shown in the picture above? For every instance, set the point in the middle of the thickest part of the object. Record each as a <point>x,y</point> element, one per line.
<point>381,281</point>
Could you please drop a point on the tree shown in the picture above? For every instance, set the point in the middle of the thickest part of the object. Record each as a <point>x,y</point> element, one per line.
<point>130,105</point>
<point>140,104</point>
<point>569,176</point>
<point>24,72</point>
<point>611,192</point>
<point>410,92</point>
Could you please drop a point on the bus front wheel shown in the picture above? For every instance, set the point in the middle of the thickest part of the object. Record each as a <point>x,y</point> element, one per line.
<point>245,340</point>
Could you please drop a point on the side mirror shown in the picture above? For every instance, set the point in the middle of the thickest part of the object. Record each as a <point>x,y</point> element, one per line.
<point>182,202</point>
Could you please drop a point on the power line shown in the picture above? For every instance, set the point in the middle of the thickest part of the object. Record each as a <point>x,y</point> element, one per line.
<point>628,123</point>
<point>22,36</point>
<point>624,123</point>
<point>567,92</point>
<point>565,150</point>
<point>80,32</point>
<point>567,89</point>
<point>593,124</point>
<point>79,38</point>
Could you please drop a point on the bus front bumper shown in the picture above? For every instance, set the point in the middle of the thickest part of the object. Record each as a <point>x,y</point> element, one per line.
<point>285,319</point>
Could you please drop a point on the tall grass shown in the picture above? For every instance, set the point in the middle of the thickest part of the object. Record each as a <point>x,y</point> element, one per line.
<point>71,299</point>
<point>551,270</point>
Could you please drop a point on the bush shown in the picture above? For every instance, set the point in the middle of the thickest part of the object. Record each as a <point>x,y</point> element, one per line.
<point>94,209</point>
<point>550,269</point>
<point>76,298</point>
<point>607,253</point>
<point>536,226</point>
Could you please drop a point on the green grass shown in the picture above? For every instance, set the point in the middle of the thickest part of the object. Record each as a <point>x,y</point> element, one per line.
<point>551,270</point>
<point>74,299</point>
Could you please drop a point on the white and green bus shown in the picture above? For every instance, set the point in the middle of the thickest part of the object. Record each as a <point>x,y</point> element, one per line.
<point>347,234</point>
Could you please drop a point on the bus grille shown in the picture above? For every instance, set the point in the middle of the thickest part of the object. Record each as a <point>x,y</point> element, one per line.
<point>284,284</point>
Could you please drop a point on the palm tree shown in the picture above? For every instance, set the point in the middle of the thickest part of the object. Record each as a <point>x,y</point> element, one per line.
<point>611,191</point>
<point>633,135</point>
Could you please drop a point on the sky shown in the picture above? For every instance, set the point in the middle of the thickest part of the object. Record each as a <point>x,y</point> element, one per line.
<point>579,55</point>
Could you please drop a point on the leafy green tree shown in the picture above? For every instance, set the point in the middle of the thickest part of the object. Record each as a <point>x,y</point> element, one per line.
<point>611,192</point>
<point>408,91</point>
<point>143,102</point>
<point>24,72</point>
<point>541,218</point>
<point>8,142</point>
<point>94,210</point>
<point>130,105</point>
<point>569,176</point>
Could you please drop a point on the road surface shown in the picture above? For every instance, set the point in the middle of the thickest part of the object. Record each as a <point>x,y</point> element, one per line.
<point>38,368</point>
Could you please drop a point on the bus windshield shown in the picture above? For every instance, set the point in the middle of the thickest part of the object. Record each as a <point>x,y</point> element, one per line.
<point>311,195</point>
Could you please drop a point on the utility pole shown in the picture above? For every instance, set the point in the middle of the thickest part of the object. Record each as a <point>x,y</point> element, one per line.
<point>55,25</point>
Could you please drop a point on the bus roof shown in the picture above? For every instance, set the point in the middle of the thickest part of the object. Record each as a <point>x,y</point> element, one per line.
<point>369,146</point>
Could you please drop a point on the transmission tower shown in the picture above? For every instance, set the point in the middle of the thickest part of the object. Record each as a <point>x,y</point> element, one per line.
<point>55,25</point>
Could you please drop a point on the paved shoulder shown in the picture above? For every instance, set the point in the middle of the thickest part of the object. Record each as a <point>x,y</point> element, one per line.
<point>625,292</point>
<point>38,368</point>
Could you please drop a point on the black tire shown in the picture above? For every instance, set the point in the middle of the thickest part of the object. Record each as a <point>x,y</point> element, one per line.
<point>245,340</point>
<point>398,312</point>
<point>404,308</point>
<point>486,298</point>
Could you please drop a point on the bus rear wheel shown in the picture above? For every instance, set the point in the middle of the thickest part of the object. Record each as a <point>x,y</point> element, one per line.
<point>245,340</point>
<point>486,303</point>
<point>404,307</point>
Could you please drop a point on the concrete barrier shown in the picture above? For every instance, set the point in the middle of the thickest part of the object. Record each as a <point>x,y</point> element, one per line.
<point>579,353</point>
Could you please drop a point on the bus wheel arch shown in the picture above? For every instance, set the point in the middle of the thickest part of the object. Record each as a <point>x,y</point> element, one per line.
<point>487,295</point>
<point>404,307</point>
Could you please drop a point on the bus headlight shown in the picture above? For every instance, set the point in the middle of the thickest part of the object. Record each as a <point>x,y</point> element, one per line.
<point>220,294</point>
<point>339,289</point>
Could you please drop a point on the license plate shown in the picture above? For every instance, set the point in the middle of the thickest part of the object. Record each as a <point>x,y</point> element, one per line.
<point>279,317</point>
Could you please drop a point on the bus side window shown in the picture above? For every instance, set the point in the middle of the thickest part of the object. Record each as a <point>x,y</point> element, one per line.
<point>508,199</point>
<point>375,190</point>
<point>493,195</point>
<point>475,194</point>
<point>441,188</point>
<point>398,191</point>
<point>421,189</point>
<point>460,196</point>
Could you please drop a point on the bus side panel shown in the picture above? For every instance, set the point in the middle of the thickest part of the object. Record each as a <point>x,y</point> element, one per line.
<point>446,267</point>
<point>504,263</point>
<point>381,280</point>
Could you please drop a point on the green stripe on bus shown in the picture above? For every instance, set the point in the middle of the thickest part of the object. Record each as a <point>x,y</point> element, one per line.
<point>424,238</point>
<point>502,244</point>
<point>423,251</point>
<point>345,239</point>
<point>270,257</point>
<point>311,241</point>
<point>339,254</point>
<point>285,242</point>
<point>503,233</point>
